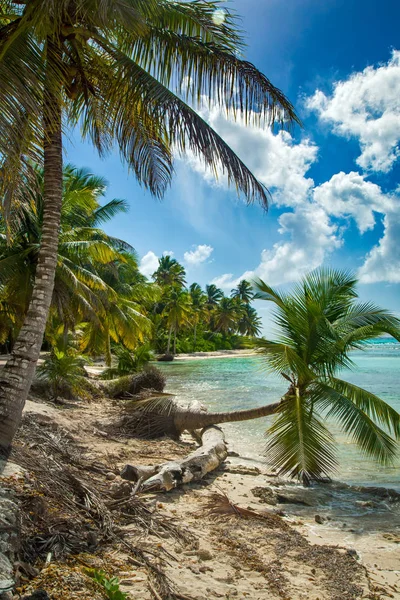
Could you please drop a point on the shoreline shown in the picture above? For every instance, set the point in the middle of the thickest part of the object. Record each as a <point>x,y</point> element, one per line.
<point>232,557</point>
<point>214,354</point>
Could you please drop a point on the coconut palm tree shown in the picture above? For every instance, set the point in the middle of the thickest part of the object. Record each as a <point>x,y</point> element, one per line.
<point>199,310</point>
<point>169,272</point>
<point>177,312</point>
<point>226,315</point>
<point>320,323</point>
<point>83,247</point>
<point>243,291</point>
<point>120,69</point>
<point>250,323</point>
<point>214,295</point>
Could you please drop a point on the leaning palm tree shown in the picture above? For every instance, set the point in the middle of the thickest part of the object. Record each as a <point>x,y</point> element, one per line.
<point>250,323</point>
<point>319,324</point>
<point>122,69</point>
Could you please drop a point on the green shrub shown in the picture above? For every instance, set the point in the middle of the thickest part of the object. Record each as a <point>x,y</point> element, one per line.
<point>109,584</point>
<point>64,374</point>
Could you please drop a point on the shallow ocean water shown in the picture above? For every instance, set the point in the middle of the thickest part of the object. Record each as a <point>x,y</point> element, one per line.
<point>242,382</point>
<point>234,383</point>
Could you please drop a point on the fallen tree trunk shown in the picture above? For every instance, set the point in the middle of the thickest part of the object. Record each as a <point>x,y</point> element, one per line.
<point>194,467</point>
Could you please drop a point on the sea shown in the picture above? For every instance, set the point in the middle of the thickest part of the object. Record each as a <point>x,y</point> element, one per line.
<point>239,382</point>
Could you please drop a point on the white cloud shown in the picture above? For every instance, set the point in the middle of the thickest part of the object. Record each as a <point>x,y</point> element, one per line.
<point>168,253</point>
<point>148,264</point>
<point>367,106</point>
<point>226,281</point>
<point>383,262</point>
<point>199,255</point>
<point>276,160</point>
<point>311,239</point>
<point>349,195</point>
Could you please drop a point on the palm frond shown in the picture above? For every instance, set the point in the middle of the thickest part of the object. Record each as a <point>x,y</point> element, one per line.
<point>351,411</point>
<point>300,445</point>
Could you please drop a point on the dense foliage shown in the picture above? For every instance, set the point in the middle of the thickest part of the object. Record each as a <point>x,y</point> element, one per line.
<point>101,303</point>
<point>320,322</point>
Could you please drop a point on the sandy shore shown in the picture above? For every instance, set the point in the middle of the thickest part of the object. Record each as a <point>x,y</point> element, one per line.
<point>216,354</point>
<point>221,555</point>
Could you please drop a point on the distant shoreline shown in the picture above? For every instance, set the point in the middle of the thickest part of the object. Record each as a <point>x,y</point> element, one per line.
<point>215,354</point>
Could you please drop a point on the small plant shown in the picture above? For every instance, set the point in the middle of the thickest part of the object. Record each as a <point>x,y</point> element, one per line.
<point>64,373</point>
<point>129,362</point>
<point>109,584</point>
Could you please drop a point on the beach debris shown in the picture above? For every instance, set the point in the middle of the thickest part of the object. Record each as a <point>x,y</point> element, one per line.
<point>129,385</point>
<point>269,496</point>
<point>194,467</point>
<point>243,470</point>
<point>80,515</point>
<point>318,519</point>
<point>220,504</point>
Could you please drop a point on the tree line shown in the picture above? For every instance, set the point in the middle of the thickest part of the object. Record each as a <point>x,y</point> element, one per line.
<point>101,303</point>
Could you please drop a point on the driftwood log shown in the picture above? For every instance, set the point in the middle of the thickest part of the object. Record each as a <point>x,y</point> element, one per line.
<point>194,467</point>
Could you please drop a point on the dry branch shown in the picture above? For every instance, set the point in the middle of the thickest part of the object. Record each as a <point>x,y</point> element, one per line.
<point>194,467</point>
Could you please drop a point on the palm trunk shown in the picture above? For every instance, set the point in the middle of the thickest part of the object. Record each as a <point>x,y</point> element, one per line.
<point>194,337</point>
<point>17,375</point>
<point>169,340</point>
<point>174,341</point>
<point>108,358</point>
<point>192,420</point>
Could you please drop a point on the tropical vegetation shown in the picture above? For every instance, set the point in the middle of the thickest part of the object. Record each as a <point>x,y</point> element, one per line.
<point>102,305</point>
<point>129,73</point>
<point>320,322</point>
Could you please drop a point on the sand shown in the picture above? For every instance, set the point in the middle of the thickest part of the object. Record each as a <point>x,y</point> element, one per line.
<point>227,556</point>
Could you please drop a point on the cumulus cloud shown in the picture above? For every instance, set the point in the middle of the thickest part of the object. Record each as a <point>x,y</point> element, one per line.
<point>350,195</point>
<point>225,281</point>
<point>275,159</point>
<point>367,106</point>
<point>198,255</point>
<point>148,264</point>
<point>383,262</point>
<point>311,239</point>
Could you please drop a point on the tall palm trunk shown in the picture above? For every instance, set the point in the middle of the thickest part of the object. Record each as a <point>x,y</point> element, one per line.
<point>17,375</point>
<point>169,340</point>
<point>174,341</point>
<point>192,420</point>
<point>194,337</point>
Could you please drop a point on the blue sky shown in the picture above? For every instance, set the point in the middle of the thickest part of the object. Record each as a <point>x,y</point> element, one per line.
<point>335,184</point>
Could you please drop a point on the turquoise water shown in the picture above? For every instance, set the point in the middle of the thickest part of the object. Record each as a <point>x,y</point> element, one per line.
<point>241,382</point>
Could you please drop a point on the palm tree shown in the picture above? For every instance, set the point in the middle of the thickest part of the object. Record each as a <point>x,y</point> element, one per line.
<point>243,291</point>
<point>83,247</point>
<point>250,323</point>
<point>214,295</point>
<point>226,316</point>
<point>169,272</point>
<point>199,310</point>
<point>120,69</point>
<point>177,312</point>
<point>320,323</point>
